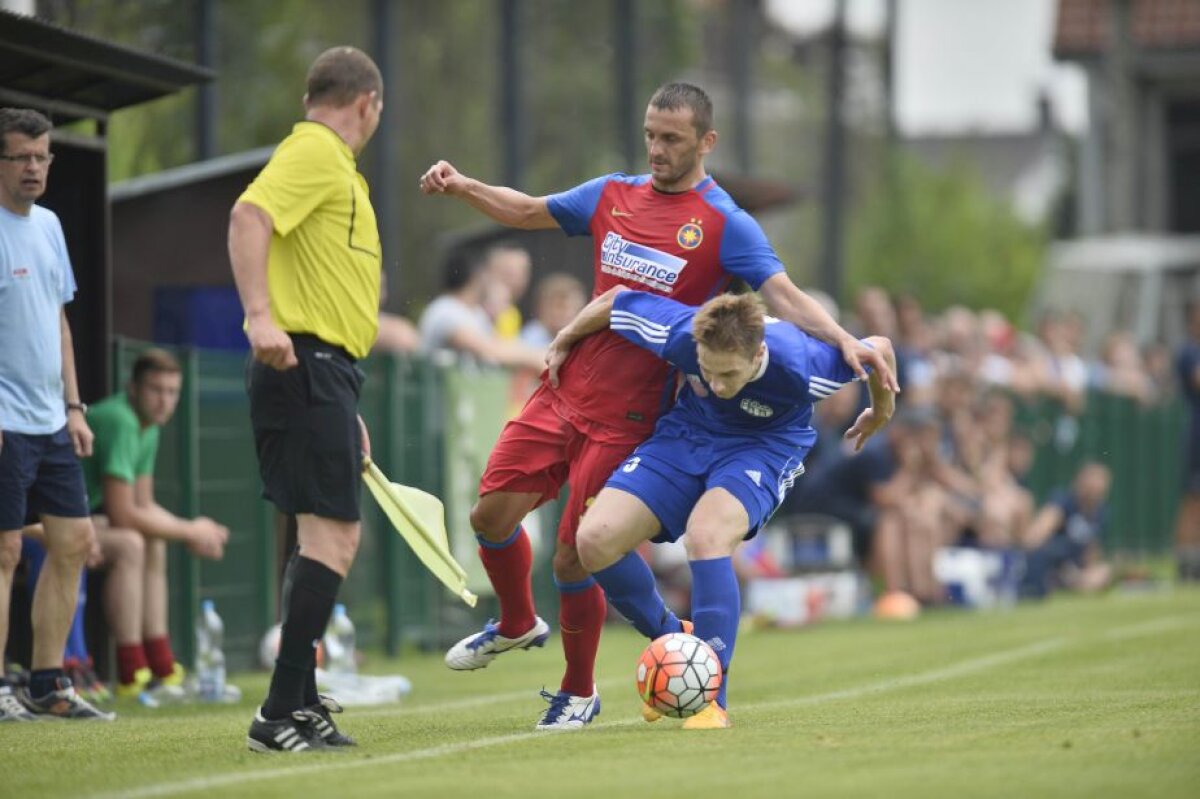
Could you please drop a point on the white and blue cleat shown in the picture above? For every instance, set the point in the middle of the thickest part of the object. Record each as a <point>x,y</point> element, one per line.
<point>478,650</point>
<point>568,711</point>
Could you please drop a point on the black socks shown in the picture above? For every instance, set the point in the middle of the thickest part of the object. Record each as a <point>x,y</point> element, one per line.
<point>310,589</point>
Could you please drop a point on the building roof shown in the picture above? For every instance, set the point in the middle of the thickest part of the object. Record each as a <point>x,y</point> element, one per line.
<point>190,174</point>
<point>756,194</point>
<point>1131,252</point>
<point>1082,29</point>
<point>73,76</point>
<point>1000,159</point>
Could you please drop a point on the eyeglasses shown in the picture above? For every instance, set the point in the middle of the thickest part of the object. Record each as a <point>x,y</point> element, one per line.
<point>29,158</point>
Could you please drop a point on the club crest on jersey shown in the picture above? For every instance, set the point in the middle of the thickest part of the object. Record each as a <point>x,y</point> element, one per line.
<point>755,408</point>
<point>690,235</point>
<point>628,260</point>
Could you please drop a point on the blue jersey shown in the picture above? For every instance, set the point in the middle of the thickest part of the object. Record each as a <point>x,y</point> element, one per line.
<point>797,371</point>
<point>1187,364</point>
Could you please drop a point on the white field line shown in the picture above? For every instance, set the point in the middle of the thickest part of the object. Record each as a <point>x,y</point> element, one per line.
<point>327,763</point>
<point>959,669</point>
<point>1119,633</point>
<point>1152,627</point>
<point>403,709</point>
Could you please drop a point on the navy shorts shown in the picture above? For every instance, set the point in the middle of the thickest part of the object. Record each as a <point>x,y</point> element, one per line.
<point>39,475</point>
<point>670,473</point>
<point>1191,475</point>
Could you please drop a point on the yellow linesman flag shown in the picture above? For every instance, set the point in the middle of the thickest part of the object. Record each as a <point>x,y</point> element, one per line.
<point>420,519</point>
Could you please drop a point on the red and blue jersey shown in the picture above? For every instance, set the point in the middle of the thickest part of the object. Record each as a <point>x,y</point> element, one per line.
<point>688,246</point>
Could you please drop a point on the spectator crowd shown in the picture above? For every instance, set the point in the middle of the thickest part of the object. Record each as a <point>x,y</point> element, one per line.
<point>953,469</point>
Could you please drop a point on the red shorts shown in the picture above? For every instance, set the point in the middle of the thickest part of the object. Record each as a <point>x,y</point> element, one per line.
<point>540,450</point>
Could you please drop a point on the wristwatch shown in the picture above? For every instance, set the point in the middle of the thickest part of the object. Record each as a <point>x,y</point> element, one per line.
<point>77,406</point>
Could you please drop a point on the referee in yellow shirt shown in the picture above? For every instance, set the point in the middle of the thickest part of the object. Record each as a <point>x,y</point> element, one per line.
<point>306,257</point>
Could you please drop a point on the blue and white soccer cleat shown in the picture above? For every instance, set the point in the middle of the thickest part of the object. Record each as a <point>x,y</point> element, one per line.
<point>569,712</point>
<point>62,703</point>
<point>478,650</point>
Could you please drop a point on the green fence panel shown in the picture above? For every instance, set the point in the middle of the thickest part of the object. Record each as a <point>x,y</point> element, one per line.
<point>402,406</point>
<point>1142,445</point>
<point>477,403</point>
<point>206,466</point>
<point>476,408</point>
<point>243,585</point>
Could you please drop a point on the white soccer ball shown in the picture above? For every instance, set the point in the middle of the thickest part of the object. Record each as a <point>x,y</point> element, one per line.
<point>268,647</point>
<point>678,675</point>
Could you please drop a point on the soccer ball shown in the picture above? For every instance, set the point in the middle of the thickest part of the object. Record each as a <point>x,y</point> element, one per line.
<point>897,606</point>
<point>678,675</point>
<point>268,648</point>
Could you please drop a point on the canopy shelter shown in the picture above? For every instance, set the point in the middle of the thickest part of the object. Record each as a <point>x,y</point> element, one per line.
<point>72,77</point>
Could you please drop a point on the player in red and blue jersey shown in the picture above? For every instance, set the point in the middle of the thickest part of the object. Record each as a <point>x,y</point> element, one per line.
<point>719,462</point>
<point>673,232</point>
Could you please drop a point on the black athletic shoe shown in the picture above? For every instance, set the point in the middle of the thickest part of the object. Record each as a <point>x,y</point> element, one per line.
<point>63,703</point>
<point>295,733</point>
<point>324,709</point>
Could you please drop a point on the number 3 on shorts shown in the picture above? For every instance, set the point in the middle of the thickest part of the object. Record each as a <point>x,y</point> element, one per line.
<point>631,464</point>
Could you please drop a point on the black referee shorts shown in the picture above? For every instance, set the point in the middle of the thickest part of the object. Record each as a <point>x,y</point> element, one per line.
<point>305,423</point>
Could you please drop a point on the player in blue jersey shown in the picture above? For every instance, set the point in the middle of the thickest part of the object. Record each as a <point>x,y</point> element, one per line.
<point>719,462</point>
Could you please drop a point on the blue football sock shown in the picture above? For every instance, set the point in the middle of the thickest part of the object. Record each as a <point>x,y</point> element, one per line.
<point>716,610</point>
<point>630,587</point>
<point>76,644</point>
<point>35,555</point>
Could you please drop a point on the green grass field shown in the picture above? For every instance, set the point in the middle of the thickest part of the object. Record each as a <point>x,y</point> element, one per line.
<point>1078,697</point>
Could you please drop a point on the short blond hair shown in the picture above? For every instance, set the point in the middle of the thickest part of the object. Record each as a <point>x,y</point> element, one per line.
<point>730,323</point>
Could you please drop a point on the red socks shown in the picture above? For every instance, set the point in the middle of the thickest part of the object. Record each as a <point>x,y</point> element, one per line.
<point>580,620</point>
<point>581,613</point>
<point>509,565</point>
<point>130,658</point>
<point>153,653</point>
<point>162,659</point>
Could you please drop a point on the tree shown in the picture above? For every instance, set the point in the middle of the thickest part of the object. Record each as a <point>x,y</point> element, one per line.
<point>941,236</point>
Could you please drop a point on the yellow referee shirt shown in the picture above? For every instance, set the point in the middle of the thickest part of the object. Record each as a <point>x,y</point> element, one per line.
<point>323,271</point>
<point>508,323</point>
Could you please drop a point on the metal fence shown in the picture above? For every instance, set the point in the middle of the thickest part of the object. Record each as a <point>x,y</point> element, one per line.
<point>1143,446</point>
<point>432,427</point>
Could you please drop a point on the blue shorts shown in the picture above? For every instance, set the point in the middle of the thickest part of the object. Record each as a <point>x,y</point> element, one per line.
<point>670,473</point>
<point>1191,472</point>
<point>39,474</point>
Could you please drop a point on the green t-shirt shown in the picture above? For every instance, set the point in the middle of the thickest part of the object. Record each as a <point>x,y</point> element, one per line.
<point>122,449</point>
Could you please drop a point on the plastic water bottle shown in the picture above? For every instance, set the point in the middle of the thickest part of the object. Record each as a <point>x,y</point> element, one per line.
<point>210,659</point>
<point>339,643</point>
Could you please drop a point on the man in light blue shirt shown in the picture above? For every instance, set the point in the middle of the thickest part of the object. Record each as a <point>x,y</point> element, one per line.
<point>43,430</point>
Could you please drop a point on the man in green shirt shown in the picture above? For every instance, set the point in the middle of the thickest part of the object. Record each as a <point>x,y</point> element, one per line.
<point>133,529</point>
